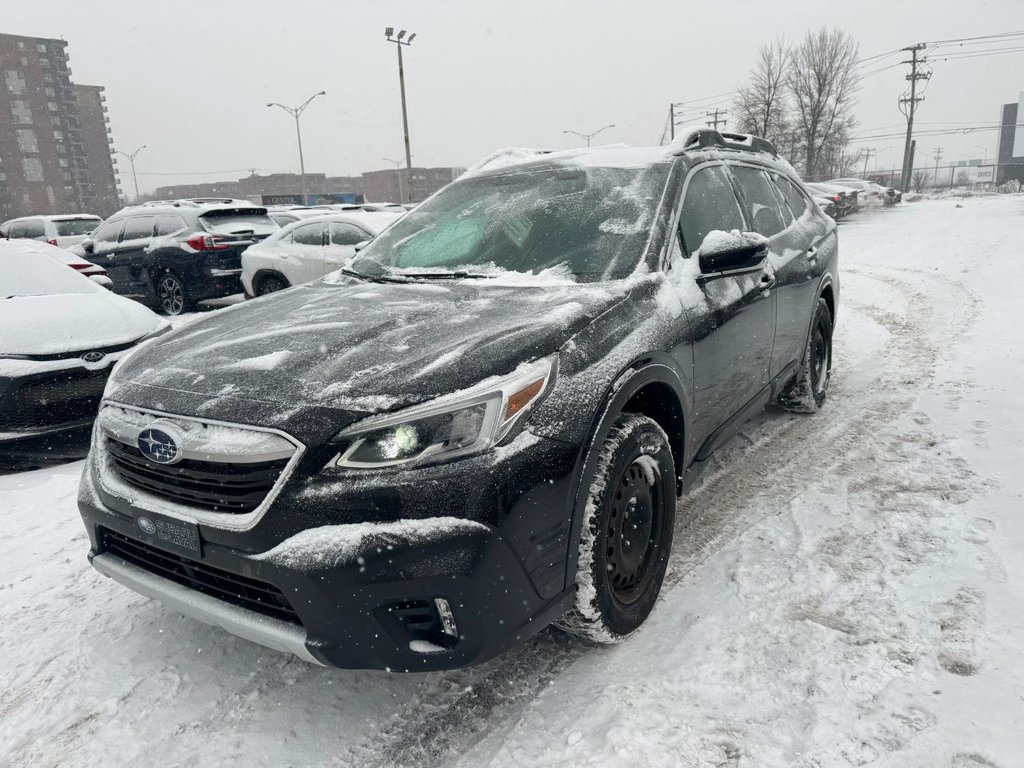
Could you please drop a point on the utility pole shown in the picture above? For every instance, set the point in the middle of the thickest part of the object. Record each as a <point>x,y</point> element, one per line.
<point>938,156</point>
<point>868,151</point>
<point>911,106</point>
<point>296,112</point>
<point>131,159</point>
<point>671,121</point>
<point>715,121</point>
<point>399,42</point>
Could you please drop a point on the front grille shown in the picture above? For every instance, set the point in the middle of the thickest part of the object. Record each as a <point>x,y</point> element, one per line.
<point>63,397</point>
<point>216,486</point>
<point>255,595</point>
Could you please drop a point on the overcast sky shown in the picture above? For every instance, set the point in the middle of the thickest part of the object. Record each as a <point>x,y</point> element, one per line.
<point>191,79</point>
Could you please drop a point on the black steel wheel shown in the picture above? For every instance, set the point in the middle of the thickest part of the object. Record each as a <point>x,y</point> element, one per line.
<point>627,532</point>
<point>809,388</point>
<point>171,294</point>
<point>270,284</point>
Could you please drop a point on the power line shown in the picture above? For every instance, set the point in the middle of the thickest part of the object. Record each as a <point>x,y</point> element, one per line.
<point>715,120</point>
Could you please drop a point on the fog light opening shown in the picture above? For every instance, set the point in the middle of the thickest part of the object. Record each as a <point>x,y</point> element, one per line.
<point>444,612</point>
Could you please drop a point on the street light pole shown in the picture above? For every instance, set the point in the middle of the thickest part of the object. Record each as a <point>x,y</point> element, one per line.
<point>588,136</point>
<point>389,34</point>
<point>131,159</point>
<point>296,112</point>
<point>398,173</point>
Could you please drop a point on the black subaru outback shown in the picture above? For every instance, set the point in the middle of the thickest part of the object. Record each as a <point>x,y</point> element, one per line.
<point>482,424</point>
<point>174,254</point>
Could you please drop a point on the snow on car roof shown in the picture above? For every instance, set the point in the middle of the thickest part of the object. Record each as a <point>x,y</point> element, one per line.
<point>32,268</point>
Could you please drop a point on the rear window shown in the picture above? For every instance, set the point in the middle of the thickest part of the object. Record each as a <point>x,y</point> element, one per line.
<point>238,223</point>
<point>74,227</point>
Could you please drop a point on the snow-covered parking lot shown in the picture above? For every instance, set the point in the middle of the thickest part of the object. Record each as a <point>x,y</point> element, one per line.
<point>846,588</point>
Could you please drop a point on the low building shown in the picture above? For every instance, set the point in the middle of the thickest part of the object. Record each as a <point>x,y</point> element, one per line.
<point>390,186</point>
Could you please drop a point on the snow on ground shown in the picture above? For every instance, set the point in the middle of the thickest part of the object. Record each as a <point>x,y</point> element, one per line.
<point>844,588</point>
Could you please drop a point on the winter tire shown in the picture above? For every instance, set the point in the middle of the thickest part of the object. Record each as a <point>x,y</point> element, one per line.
<point>627,532</point>
<point>270,284</point>
<point>171,294</point>
<point>810,385</point>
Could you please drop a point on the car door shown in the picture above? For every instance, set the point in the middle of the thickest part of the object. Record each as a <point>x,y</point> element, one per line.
<point>304,249</point>
<point>734,324</point>
<point>343,238</point>
<point>129,257</point>
<point>797,259</point>
<point>100,248</point>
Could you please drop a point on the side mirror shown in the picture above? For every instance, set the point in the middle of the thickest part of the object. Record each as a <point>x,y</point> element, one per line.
<point>87,245</point>
<point>360,245</point>
<point>723,251</point>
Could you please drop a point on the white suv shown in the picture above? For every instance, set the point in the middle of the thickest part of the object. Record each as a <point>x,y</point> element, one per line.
<point>63,230</point>
<point>308,249</point>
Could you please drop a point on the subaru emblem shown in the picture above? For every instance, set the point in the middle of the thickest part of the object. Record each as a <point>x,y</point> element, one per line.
<point>146,525</point>
<point>93,357</point>
<point>158,446</point>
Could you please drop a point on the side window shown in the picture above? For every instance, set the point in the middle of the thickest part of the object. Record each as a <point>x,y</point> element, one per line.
<point>108,233</point>
<point>5,230</point>
<point>710,203</point>
<point>28,229</point>
<point>168,225</point>
<point>310,234</point>
<point>346,234</point>
<point>795,198</point>
<point>761,200</point>
<point>138,228</point>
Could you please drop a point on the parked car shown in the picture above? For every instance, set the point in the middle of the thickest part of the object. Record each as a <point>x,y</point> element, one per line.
<point>62,334</point>
<point>307,249</point>
<point>871,195</point>
<point>482,425</point>
<point>844,200</point>
<point>284,217</point>
<point>94,272</point>
<point>63,230</point>
<point>173,254</point>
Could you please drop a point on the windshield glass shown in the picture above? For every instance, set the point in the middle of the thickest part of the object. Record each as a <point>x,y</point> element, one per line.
<point>74,227</point>
<point>592,222</point>
<point>25,272</point>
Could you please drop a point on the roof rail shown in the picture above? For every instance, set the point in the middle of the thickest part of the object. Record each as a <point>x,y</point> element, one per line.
<point>704,138</point>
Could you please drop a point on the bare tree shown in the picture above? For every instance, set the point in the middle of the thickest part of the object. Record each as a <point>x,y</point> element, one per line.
<point>919,178</point>
<point>761,107</point>
<point>822,82</point>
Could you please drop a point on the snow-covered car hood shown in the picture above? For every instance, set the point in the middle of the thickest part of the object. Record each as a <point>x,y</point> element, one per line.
<point>368,347</point>
<point>49,325</point>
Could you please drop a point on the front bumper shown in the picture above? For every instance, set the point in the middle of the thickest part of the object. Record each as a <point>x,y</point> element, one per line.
<point>363,593</point>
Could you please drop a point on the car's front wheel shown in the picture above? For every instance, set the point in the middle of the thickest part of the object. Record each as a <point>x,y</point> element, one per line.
<point>807,392</point>
<point>627,532</point>
<point>171,294</point>
<point>270,284</point>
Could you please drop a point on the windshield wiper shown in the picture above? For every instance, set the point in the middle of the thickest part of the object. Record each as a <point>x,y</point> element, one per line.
<point>383,278</point>
<point>440,275</point>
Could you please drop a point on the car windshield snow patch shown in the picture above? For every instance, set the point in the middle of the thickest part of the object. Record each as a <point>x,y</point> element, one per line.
<point>591,222</point>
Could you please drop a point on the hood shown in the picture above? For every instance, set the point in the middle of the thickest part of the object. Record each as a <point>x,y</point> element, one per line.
<point>71,322</point>
<point>366,347</point>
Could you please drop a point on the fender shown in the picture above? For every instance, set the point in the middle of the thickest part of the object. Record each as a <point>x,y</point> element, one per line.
<point>651,368</point>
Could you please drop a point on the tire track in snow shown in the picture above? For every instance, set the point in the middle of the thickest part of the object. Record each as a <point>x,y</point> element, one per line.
<point>784,454</point>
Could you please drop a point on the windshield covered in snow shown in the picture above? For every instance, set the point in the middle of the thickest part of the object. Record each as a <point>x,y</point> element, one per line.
<point>238,222</point>
<point>591,222</point>
<point>25,273</point>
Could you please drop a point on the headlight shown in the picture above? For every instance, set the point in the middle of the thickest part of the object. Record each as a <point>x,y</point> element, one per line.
<point>456,425</point>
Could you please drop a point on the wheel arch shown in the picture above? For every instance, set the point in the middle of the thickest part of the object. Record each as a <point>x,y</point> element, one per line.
<point>651,386</point>
<point>264,272</point>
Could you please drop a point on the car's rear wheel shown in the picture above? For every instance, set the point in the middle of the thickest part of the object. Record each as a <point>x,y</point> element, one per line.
<point>809,388</point>
<point>627,532</point>
<point>270,284</point>
<point>171,294</point>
